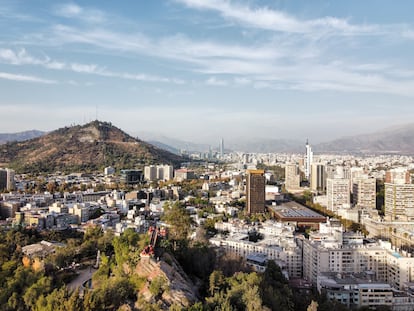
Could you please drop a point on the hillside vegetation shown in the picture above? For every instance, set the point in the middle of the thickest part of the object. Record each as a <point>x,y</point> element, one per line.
<point>89,147</point>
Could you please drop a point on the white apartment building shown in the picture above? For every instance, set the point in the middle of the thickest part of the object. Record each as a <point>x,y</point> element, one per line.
<point>158,172</point>
<point>326,252</point>
<point>399,201</point>
<point>338,193</point>
<point>359,290</point>
<point>150,173</point>
<point>364,192</point>
<point>278,244</point>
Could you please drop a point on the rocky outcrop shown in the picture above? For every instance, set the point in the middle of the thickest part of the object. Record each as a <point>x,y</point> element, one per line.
<point>179,289</point>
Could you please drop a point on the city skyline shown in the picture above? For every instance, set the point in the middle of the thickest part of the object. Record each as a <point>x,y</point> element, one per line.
<point>198,70</point>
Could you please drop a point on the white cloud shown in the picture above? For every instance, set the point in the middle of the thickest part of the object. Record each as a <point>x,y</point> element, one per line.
<point>72,10</point>
<point>24,58</point>
<point>25,78</point>
<point>265,18</point>
<point>216,82</point>
<point>85,68</point>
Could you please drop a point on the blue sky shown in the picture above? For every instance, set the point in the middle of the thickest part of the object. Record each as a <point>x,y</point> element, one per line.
<point>200,70</point>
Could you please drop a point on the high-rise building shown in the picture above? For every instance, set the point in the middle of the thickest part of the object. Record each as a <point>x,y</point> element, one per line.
<point>165,172</point>
<point>7,179</point>
<point>255,192</point>
<point>150,172</point>
<point>292,176</point>
<point>398,176</point>
<point>399,201</point>
<point>364,192</point>
<point>318,177</point>
<point>221,148</point>
<point>308,160</point>
<point>338,193</point>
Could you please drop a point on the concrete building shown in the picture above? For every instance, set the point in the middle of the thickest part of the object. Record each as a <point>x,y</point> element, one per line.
<point>332,250</point>
<point>7,179</point>
<point>338,193</point>
<point>255,191</point>
<point>399,201</point>
<point>131,177</point>
<point>150,173</point>
<point>109,171</point>
<point>359,290</point>
<point>278,244</point>
<point>364,191</point>
<point>398,176</point>
<point>184,174</point>
<point>308,160</point>
<point>318,177</point>
<point>292,177</point>
<point>165,172</point>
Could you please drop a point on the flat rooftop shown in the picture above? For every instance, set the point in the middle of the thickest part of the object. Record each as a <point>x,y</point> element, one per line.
<point>295,211</point>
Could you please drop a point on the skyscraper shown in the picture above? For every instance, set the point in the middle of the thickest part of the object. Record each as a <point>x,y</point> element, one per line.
<point>318,177</point>
<point>221,148</point>
<point>308,160</point>
<point>7,179</point>
<point>255,194</point>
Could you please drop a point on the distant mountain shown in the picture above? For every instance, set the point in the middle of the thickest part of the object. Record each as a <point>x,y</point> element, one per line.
<point>172,144</point>
<point>89,148</point>
<point>21,136</point>
<point>396,140</point>
<point>266,145</point>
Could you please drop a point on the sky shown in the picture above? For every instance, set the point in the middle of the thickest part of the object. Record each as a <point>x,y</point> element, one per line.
<point>199,70</point>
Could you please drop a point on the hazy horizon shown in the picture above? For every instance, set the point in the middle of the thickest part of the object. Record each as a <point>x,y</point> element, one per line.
<point>201,70</point>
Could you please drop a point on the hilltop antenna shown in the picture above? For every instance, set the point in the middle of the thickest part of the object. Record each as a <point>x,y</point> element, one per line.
<point>96,111</point>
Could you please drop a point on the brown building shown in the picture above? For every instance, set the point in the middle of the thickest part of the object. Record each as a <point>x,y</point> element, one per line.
<point>255,192</point>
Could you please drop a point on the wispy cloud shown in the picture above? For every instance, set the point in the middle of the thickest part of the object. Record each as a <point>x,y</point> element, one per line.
<point>216,82</point>
<point>25,78</point>
<point>72,10</point>
<point>265,18</point>
<point>22,57</point>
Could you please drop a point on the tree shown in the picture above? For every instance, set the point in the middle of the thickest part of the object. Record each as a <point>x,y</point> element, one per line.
<point>179,220</point>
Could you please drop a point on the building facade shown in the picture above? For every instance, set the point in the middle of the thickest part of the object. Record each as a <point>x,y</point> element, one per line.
<point>255,192</point>
<point>338,193</point>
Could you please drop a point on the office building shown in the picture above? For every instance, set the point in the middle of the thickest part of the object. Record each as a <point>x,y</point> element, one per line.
<point>308,160</point>
<point>7,179</point>
<point>292,177</point>
<point>131,177</point>
<point>318,177</point>
<point>221,148</point>
<point>255,192</point>
<point>338,193</point>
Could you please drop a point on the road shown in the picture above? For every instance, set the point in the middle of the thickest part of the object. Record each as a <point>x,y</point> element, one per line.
<point>84,275</point>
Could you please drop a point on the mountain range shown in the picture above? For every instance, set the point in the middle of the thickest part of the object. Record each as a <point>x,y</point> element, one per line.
<point>89,147</point>
<point>395,140</point>
<point>9,137</point>
<point>115,147</point>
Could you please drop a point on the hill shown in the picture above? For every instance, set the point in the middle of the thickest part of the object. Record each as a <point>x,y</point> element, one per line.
<point>21,136</point>
<point>89,147</point>
<point>397,140</point>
